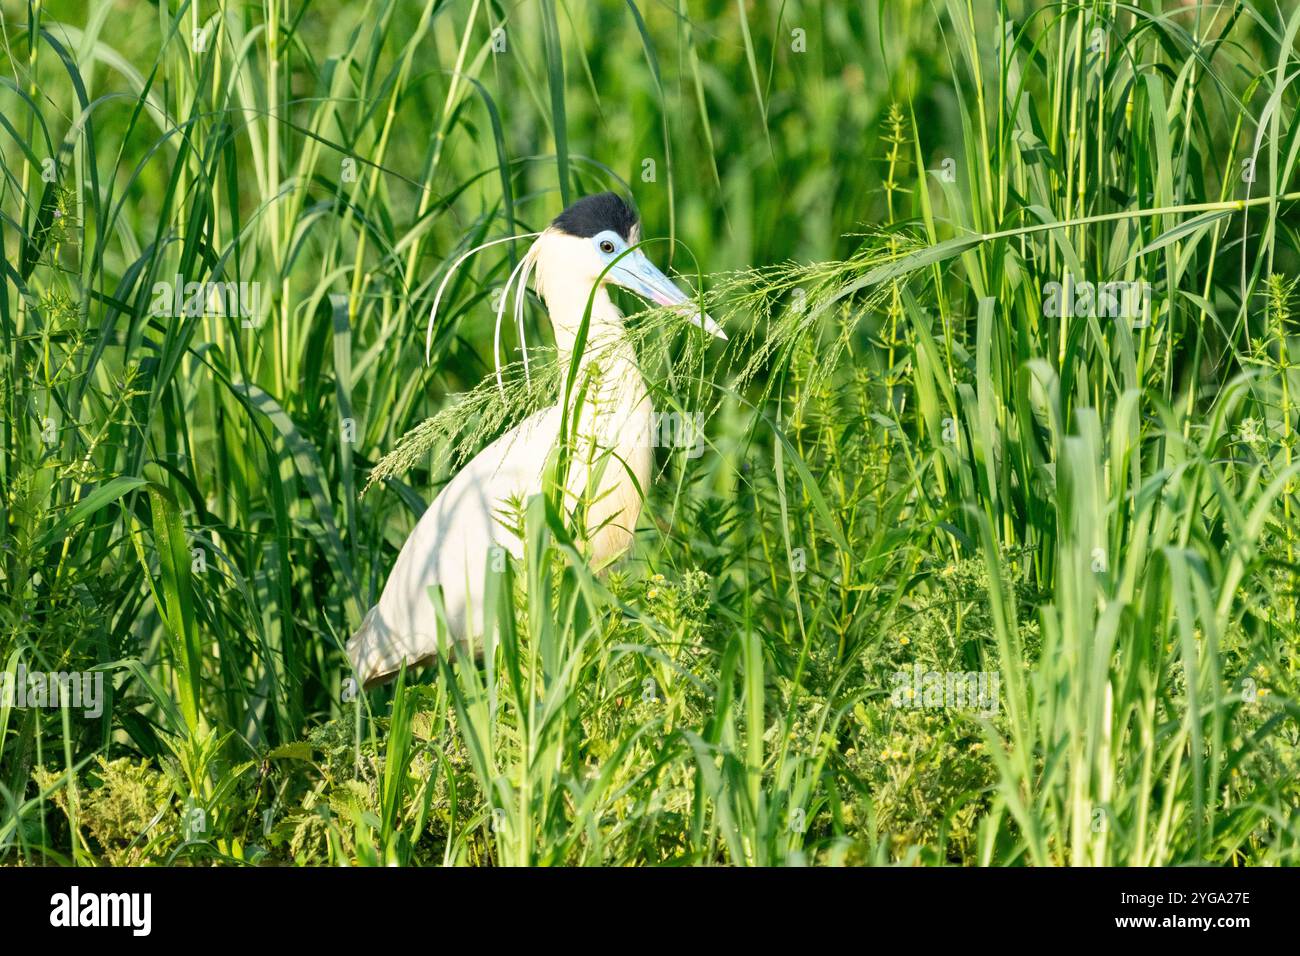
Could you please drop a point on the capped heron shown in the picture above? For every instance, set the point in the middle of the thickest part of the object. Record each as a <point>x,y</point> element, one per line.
<point>592,243</point>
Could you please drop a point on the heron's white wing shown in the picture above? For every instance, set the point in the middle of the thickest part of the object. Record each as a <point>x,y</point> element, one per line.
<point>451,546</point>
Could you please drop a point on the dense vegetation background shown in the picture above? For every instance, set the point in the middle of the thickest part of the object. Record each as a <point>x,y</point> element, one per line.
<point>916,461</point>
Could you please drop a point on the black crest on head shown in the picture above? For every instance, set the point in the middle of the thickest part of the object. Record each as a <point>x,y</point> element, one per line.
<point>594,214</point>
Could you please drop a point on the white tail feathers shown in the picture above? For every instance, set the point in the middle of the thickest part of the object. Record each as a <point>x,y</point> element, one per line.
<point>377,652</point>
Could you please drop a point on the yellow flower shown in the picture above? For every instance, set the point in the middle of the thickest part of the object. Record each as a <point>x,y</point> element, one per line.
<point>652,593</point>
<point>884,754</point>
<point>904,641</point>
<point>659,579</point>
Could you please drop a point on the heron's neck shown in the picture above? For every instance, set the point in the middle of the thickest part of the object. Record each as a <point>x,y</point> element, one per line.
<point>567,305</point>
<point>619,387</point>
<point>604,343</point>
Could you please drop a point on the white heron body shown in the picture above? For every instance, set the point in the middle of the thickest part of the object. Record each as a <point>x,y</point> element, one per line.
<point>592,242</point>
<point>452,544</point>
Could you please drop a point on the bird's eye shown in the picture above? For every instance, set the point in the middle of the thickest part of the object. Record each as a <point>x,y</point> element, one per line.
<point>606,246</point>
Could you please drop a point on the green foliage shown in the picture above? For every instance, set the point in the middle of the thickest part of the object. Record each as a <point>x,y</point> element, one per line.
<point>913,458</point>
<point>117,810</point>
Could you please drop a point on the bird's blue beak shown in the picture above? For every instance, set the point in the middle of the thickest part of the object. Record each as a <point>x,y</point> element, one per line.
<point>636,273</point>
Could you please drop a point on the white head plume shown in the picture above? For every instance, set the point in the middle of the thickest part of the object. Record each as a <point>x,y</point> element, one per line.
<point>433,312</point>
